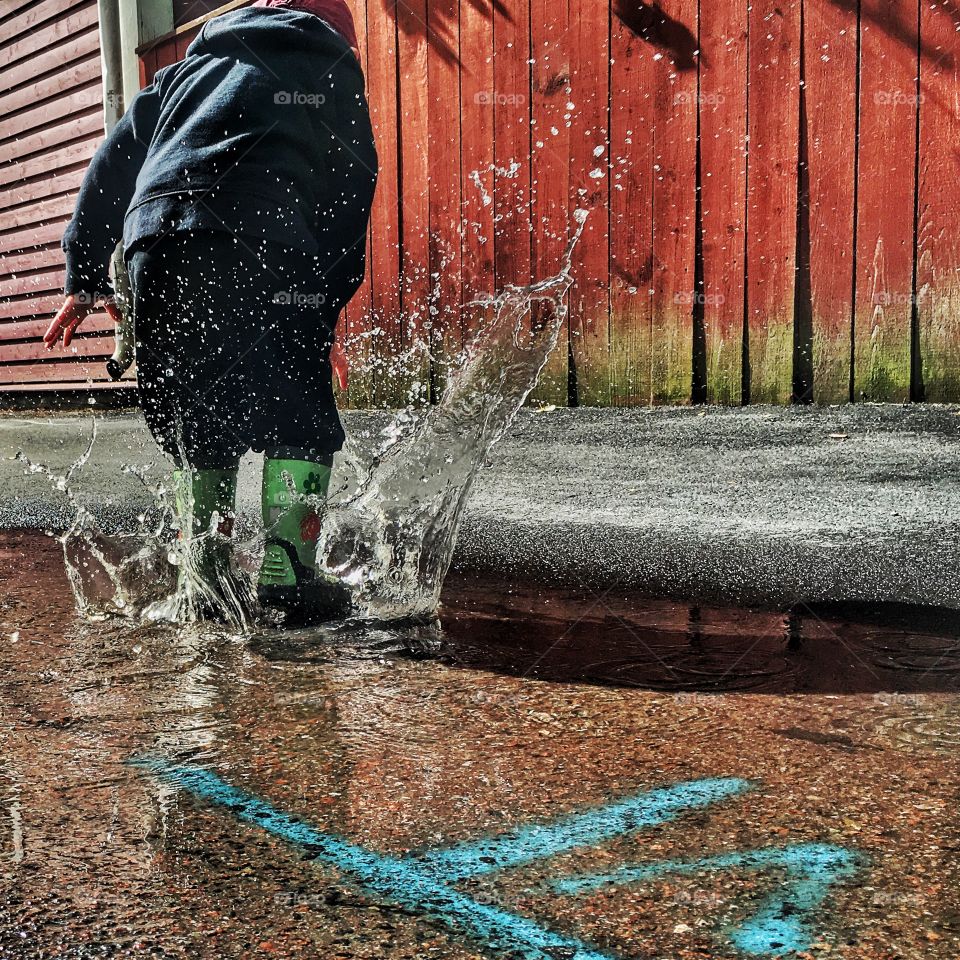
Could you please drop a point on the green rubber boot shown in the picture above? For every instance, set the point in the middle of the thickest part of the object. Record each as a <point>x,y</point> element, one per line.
<point>204,503</point>
<point>199,494</point>
<point>293,495</point>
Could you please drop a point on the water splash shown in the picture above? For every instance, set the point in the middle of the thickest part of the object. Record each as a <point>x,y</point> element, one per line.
<point>390,525</point>
<point>390,533</point>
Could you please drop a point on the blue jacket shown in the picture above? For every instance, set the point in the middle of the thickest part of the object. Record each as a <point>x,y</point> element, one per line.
<point>261,130</point>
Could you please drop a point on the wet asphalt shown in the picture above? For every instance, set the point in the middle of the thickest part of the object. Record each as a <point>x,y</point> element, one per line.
<point>757,506</point>
<point>597,755</point>
<point>562,779</point>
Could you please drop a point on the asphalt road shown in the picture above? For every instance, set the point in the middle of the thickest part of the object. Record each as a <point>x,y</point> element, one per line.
<point>761,506</point>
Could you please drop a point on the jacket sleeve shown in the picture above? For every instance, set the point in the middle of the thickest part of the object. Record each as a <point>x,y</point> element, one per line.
<point>108,186</point>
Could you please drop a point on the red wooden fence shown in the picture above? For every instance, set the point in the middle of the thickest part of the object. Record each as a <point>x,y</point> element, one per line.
<point>51,121</point>
<point>772,187</point>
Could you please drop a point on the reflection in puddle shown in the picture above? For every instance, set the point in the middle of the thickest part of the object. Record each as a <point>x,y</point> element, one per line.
<point>529,704</point>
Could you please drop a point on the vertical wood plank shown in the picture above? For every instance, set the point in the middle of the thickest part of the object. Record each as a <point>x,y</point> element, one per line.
<point>830,90</point>
<point>674,204</point>
<point>589,38</point>
<point>550,171</point>
<point>411,16</point>
<point>885,199</point>
<point>774,124</point>
<point>443,68</point>
<point>390,380</point>
<point>631,213</point>
<point>723,185</point>
<point>356,323</point>
<point>938,235</point>
<point>476,149</point>
<point>511,118</point>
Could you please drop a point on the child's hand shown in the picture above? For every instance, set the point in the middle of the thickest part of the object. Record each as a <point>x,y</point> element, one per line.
<point>74,311</point>
<point>338,361</point>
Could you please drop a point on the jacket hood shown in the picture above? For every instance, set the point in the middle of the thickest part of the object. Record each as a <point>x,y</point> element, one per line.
<point>282,29</point>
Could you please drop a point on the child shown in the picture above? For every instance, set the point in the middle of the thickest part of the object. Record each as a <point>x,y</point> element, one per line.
<point>241,182</point>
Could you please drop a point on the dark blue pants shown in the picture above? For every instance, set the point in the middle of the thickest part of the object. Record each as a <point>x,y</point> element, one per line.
<point>233,342</point>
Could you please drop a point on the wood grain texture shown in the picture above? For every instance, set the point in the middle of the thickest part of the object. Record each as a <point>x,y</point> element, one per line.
<point>589,43</point>
<point>413,135</point>
<point>885,200</point>
<point>773,121</point>
<point>830,116</point>
<point>723,186</point>
<point>633,107</point>
<point>938,226</point>
<point>550,175</point>
<point>674,206</point>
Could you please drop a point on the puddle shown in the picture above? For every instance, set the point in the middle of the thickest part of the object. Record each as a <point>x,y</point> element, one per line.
<point>299,795</point>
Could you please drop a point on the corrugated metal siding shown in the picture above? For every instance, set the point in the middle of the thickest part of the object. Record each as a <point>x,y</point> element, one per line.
<point>51,121</point>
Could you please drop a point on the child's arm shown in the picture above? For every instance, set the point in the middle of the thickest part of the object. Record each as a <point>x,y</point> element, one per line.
<point>97,225</point>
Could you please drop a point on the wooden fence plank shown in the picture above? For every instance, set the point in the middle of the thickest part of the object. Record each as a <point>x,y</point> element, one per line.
<point>414,184</point>
<point>550,173</point>
<point>87,125</point>
<point>80,74</point>
<point>54,33</point>
<point>443,78</point>
<point>44,306</point>
<point>356,323</point>
<point>95,346</point>
<point>31,283</point>
<point>631,213</point>
<point>830,100</point>
<point>25,329</point>
<point>389,382</point>
<point>674,204</point>
<point>885,200</point>
<point>774,123</point>
<point>50,161</point>
<point>34,16</point>
<point>476,150</point>
<point>723,184</point>
<point>54,373</point>
<point>589,190</point>
<point>938,235</point>
<point>511,118</point>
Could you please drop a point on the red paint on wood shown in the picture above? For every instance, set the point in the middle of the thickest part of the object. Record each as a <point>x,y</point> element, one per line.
<point>589,190</point>
<point>723,181</point>
<point>443,73</point>
<point>938,234</point>
<point>631,213</point>
<point>773,115</point>
<point>46,36</point>
<point>476,151</point>
<point>674,207</point>
<point>550,173</point>
<point>384,265</point>
<point>830,91</point>
<point>414,185</point>
<point>83,45</point>
<point>885,199</point>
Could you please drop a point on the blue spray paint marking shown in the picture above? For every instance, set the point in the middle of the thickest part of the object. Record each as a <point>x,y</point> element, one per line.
<point>400,881</point>
<point>538,841</point>
<point>782,924</point>
<point>424,883</point>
